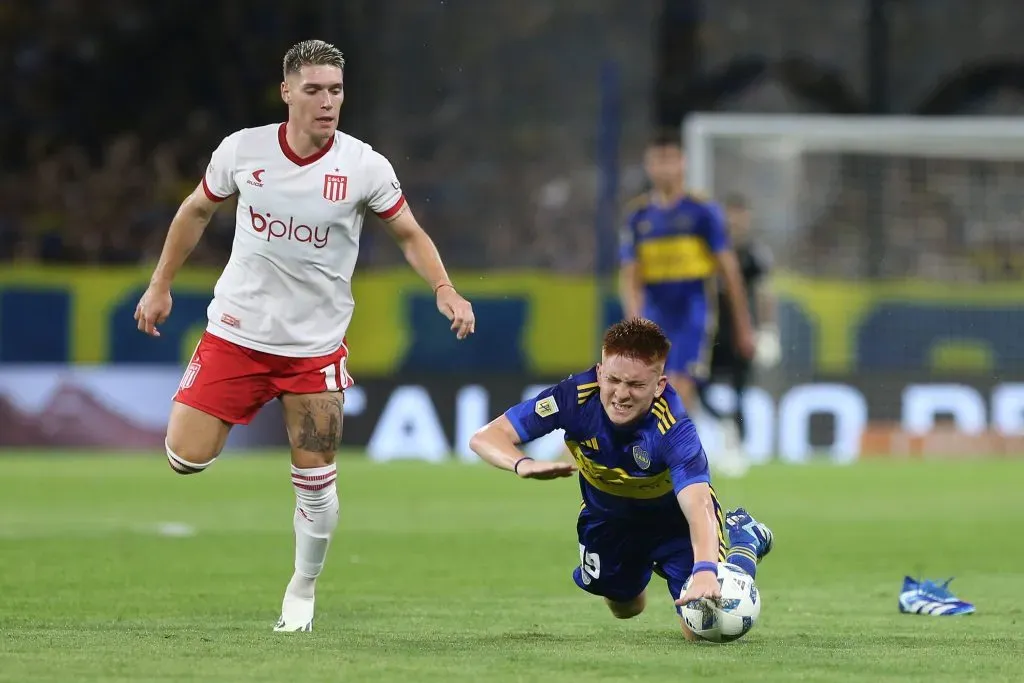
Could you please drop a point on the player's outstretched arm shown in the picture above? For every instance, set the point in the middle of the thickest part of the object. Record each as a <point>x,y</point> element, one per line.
<point>688,465</point>
<point>498,444</point>
<point>421,253</point>
<point>187,227</point>
<point>699,509</point>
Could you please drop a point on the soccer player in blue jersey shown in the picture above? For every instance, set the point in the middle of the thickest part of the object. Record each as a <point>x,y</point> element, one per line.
<point>648,504</point>
<point>674,245</point>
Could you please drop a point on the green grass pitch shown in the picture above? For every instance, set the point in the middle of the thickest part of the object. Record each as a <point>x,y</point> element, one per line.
<point>463,573</point>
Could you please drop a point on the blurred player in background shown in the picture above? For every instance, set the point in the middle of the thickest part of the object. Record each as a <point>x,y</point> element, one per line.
<point>281,307</point>
<point>755,262</point>
<point>648,504</point>
<point>673,247</point>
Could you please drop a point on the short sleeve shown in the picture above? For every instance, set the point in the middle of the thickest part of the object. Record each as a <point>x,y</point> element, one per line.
<point>542,414</point>
<point>219,180</point>
<point>684,454</point>
<point>713,228</point>
<point>627,240</point>
<point>385,192</point>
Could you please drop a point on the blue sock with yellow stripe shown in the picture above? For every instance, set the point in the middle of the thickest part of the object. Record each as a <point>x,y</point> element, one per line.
<point>744,556</point>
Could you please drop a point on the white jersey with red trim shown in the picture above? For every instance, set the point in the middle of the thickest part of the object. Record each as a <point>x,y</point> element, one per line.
<point>287,287</point>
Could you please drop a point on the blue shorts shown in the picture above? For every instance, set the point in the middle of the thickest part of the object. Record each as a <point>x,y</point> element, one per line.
<point>616,557</point>
<point>692,335</point>
<point>690,353</point>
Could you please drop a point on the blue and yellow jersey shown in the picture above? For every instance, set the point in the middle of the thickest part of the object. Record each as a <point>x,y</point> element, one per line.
<point>674,249</point>
<point>630,473</point>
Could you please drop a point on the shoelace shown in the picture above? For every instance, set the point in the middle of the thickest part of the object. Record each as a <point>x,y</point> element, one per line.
<point>936,590</point>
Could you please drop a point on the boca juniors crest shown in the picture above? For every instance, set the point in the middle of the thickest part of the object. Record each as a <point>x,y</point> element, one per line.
<point>643,461</point>
<point>335,187</point>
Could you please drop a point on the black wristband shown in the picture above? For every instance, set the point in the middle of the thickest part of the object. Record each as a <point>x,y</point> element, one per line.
<point>515,468</point>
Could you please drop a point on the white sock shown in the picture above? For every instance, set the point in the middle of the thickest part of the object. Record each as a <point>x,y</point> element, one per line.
<point>316,516</point>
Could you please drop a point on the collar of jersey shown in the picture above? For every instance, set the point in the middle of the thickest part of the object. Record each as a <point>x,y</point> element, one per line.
<point>286,149</point>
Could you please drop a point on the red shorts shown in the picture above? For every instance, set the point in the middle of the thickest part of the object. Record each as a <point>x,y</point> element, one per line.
<point>232,382</point>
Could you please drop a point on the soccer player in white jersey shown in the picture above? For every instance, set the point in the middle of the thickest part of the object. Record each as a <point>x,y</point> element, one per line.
<point>282,305</point>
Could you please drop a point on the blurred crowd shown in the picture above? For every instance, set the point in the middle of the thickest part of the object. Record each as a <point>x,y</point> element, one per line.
<point>951,220</point>
<point>116,107</point>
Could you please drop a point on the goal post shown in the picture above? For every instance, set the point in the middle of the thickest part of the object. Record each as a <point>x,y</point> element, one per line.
<point>899,244</point>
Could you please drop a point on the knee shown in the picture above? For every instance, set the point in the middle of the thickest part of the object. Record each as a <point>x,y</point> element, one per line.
<point>188,457</point>
<point>627,609</point>
<point>194,439</point>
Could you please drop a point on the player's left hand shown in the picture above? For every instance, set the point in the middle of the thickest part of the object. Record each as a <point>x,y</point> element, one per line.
<point>539,469</point>
<point>458,310</point>
<point>704,585</point>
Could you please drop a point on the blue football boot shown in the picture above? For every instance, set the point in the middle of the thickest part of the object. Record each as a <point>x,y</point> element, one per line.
<point>931,598</point>
<point>745,532</point>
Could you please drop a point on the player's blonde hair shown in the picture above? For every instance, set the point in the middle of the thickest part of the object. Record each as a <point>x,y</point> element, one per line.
<point>312,53</point>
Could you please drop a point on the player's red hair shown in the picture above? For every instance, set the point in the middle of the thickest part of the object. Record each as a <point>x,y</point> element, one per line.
<point>636,338</point>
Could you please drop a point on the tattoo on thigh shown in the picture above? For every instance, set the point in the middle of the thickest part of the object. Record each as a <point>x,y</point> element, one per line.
<point>320,425</point>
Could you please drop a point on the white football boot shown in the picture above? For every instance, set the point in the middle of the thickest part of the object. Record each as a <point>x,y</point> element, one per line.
<point>296,614</point>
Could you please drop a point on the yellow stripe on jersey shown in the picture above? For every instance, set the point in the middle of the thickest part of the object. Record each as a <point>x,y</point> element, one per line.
<point>664,414</point>
<point>591,444</point>
<point>674,258</point>
<point>720,516</point>
<point>616,481</point>
<point>585,391</point>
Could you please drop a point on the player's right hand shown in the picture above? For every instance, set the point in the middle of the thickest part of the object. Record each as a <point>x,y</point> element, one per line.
<point>539,469</point>
<point>153,309</point>
<point>745,344</point>
<point>703,586</point>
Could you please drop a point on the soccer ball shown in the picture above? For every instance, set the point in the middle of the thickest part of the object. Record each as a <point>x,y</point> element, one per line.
<point>734,617</point>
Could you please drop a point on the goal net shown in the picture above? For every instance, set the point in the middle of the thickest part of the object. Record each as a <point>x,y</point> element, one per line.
<point>880,197</point>
<point>898,244</point>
